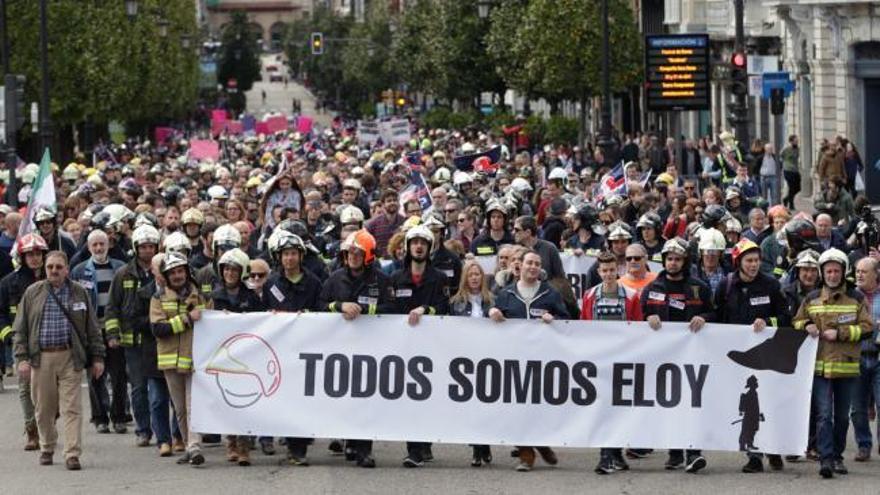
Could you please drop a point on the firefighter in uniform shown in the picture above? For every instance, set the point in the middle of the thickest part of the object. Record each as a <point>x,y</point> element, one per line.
<point>359,288</point>
<point>442,259</point>
<point>226,237</point>
<point>676,296</point>
<point>496,234</point>
<point>838,316</point>
<point>31,250</point>
<point>748,296</point>
<point>235,297</point>
<point>291,288</point>
<point>174,309</point>
<point>419,289</point>
<point>121,316</point>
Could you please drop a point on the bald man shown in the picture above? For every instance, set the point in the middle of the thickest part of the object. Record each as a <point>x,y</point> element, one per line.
<point>828,236</point>
<point>637,275</point>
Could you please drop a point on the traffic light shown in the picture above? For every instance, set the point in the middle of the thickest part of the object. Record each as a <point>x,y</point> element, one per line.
<point>14,103</point>
<point>777,101</point>
<point>317,43</point>
<point>739,75</point>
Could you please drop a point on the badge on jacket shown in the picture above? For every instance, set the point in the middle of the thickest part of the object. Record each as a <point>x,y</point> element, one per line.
<point>403,293</point>
<point>760,301</point>
<point>277,293</point>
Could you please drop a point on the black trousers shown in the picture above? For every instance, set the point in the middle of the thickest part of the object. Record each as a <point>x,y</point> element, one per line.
<point>107,407</point>
<point>793,179</point>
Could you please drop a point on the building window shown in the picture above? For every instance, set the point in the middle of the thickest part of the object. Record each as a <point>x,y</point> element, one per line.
<point>673,11</point>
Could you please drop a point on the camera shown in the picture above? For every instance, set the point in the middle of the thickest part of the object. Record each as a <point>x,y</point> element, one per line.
<point>869,228</point>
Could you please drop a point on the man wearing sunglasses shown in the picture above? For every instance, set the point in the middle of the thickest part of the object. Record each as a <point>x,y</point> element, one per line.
<point>637,275</point>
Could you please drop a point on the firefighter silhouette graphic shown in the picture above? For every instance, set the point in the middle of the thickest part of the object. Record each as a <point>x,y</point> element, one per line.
<point>246,369</point>
<point>750,416</point>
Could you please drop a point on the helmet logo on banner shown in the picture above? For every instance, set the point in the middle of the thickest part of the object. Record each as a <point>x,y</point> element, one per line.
<point>246,369</point>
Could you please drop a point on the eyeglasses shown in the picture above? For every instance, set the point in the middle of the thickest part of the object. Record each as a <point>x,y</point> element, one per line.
<point>689,188</point>
<point>634,258</point>
<point>258,275</point>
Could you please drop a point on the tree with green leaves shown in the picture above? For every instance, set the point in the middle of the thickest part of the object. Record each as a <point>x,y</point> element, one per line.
<point>367,65</point>
<point>239,58</point>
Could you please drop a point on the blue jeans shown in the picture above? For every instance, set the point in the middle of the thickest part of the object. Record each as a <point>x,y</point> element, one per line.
<point>867,384</point>
<point>160,418</point>
<point>140,403</point>
<point>770,188</point>
<point>833,398</point>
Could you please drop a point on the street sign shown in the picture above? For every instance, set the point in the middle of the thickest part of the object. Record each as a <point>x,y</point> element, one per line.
<point>677,72</point>
<point>756,84</point>
<point>760,64</point>
<point>779,80</point>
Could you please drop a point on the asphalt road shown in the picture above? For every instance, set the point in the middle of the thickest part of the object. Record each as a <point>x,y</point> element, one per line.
<point>112,463</point>
<point>279,97</point>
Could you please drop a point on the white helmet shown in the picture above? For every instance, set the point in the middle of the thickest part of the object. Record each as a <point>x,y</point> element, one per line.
<point>836,255</point>
<point>419,232</point>
<point>351,214</point>
<point>70,173</point>
<point>468,148</point>
<point>226,237</point>
<point>192,215</point>
<point>558,173</point>
<point>520,185</point>
<point>676,245</point>
<point>171,261</point>
<point>118,214</point>
<point>807,258</point>
<point>218,192</point>
<point>145,234</point>
<point>238,258</point>
<point>619,231</point>
<point>177,242</point>
<point>459,178</point>
<point>281,240</point>
<point>733,225</point>
<point>712,240</point>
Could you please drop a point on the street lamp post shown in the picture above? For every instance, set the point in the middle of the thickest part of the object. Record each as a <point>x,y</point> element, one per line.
<point>606,140</point>
<point>45,124</point>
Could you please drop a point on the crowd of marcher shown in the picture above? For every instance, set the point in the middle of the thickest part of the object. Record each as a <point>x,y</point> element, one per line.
<point>145,239</point>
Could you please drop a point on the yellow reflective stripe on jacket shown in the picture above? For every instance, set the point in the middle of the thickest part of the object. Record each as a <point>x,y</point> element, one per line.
<point>800,324</point>
<point>111,324</point>
<point>128,284</point>
<point>5,332</point>
<point>200,306</point>
<point>774,321</point>
<point>371,309</point>
<point>432,310</point>
<point>169,307</point>
<point>819,309</point>
<point>485,250</point>
<point>177,325</point>
<point>167,360</point>
<point>332,307</point>
<point>835,368</point>
<point>126,339</point>
<point>855,333</point>
<point>13,310</point>
<point>184,363</point>
<point>778,271</point>
<point>206,288</point>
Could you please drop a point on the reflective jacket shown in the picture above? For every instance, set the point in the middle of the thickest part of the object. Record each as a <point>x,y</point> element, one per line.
<point>657,297</point>
<point>173,328</point>
<point>485,245</point>
<point>740,302</point>
<point>123,310</point>
<point>840,309</point>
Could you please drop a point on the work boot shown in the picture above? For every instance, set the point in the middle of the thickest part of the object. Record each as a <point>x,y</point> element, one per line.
<point>231,449</point>
<point>755,465</point>
<point>33,438</point>
<point>72,464</point>
<point>775,462</point>
<point>164,450</point>
<point>548,455</point>
<point>839,468</point>
<point>526,459</point>
<point>244,452</point>
<point>778,353</point>
<point>178,446</point>
<point>46,458</point>
<point>826,469</point>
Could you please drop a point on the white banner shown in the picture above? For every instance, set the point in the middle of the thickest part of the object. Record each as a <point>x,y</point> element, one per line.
<point>367,132</point>
<point>395,132</point>
<point>521,382</point>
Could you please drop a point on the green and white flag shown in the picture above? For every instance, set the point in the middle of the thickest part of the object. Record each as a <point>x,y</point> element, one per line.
<point>42,195</point>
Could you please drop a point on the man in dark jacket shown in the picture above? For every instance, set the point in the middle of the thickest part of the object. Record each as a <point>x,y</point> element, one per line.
<point>292,289</point>
<point>496,234</point>
<point>419,289</point>
<point>749,297</point>
<point>358,288</point>
<point>676,296</point>
<point>530,299</point>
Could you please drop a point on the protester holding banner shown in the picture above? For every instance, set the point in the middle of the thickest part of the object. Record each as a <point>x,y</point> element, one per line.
<point>637,275</point>
<point>233,296</point>
<point>419,289</point>
<point>174,309</point>
<point>473,300</point>
<point>530,298</point>
<point>291,288</point>
<point>358,288</point>
<point>676,296</point>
